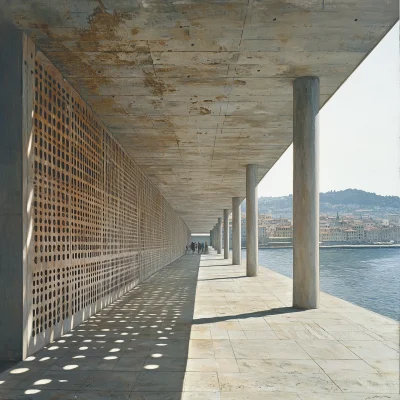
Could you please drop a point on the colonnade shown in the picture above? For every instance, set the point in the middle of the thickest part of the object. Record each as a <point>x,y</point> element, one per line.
<point>305,203</point>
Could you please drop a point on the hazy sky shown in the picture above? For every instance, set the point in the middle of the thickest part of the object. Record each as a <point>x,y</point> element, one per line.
<point>359,131</point>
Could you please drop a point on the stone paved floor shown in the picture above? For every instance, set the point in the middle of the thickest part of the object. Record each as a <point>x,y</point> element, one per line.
<point>234,338</point>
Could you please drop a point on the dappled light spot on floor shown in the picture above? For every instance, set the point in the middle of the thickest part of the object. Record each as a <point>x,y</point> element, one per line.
<point>32,391</point>
<point>18,371</point>
<point>114,350</point>
<point>42,382</point>
<point>151,366</point>
<point>119,348</point>
<point>70,367</point>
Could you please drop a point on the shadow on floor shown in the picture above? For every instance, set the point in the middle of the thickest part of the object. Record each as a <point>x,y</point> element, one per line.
<point>5,365</point>
<point>227,278</point>
<point>213,265</point>
<point>256,314</point>
<point>138,346</point>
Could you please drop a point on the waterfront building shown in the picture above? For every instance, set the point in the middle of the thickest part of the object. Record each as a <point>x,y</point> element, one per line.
<point>373,234</point>
<point>391,233</point>
<point>394,219</point>
<point>284,231</point>
<point>333,230</point>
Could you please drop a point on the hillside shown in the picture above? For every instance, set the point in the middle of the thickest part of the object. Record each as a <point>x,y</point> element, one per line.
<point>344,201</point>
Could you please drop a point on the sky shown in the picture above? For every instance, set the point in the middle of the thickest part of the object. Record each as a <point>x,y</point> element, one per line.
<point>359,131</point>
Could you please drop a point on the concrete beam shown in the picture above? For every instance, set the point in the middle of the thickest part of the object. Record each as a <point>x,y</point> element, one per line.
<point>162,90</point>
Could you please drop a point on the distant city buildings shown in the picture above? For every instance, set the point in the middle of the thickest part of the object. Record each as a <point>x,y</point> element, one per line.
<point>346,229</point>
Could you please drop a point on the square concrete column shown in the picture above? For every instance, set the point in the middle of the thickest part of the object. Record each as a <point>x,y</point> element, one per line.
<point>305,193</point>
<point>16,216</point>
<point>236,231</point>
<point>219,234</point>
<point>251,219</point>
<point>211,238</point>
<point>226,234</point>
<point>215,237</point>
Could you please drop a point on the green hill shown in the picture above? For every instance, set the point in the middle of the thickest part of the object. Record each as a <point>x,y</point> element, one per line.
<point>344,201</point>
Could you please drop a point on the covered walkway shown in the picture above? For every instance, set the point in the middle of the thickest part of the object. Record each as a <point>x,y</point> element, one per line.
<point>211,333</point>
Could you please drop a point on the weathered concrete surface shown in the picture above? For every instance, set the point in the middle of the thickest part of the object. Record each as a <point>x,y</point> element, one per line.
<point>251,220</point>
<point>227,338</point>
<point>226,233</point>
<point>305,193</point>
<point>219,236</point>
<point>11,192</point>
<point>236,231</point>
<point>195,90</point>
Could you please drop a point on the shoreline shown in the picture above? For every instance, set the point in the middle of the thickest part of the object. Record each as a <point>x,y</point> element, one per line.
<point>327,293</point>
<point>340,246</point>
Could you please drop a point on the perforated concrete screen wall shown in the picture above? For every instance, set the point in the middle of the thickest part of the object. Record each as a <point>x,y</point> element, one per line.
<point>99,226</point>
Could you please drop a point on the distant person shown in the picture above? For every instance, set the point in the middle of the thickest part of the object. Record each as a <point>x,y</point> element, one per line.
<point>198,247</point>
<point>193,248</point>
<point>206,248</point>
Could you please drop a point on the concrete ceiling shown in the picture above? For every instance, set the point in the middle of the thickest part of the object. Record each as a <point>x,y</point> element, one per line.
<point>195,90</point>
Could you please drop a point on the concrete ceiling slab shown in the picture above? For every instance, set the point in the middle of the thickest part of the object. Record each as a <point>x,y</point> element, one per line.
<point>195,90</point>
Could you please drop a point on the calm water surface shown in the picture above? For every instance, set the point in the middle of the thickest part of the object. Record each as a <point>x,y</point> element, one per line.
<point>369,278</point>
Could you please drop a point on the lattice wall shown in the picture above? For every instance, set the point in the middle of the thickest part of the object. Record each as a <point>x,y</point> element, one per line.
<point>99,226</point>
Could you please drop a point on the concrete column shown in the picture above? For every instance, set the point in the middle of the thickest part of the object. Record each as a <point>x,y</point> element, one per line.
<point>226,234</point>
<point>16,165</point>
<point>305,193</point>
<point>251,219</point>
<point>236,231</point>
<point>214,238</point>
<point>219,234</point>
